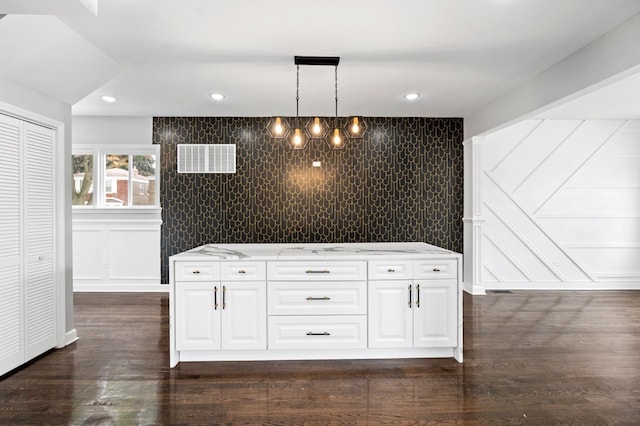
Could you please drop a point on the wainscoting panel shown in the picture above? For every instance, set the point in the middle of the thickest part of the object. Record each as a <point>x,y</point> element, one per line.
<point>116,251</point>
<point>402,182</point>
<point>560,205</point>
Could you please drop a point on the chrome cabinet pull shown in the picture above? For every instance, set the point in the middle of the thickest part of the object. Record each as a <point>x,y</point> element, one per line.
<point>436,270</point>
<point>215,298</point>
<point>224,297</point>
<point>410,295</point>
<point>318,298</point>
<point>311,333</point>
<point>418,296</point>
<point>311,271</point>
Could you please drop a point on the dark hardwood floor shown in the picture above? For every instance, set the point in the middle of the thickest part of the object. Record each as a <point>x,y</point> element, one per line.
<point>530,358</point>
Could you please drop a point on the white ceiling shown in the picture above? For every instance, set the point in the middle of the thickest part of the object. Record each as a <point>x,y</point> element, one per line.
<point>163,57</point>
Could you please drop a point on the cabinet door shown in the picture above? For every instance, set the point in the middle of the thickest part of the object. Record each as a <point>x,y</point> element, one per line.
<point>390,314</point>
<point>435,320</point>
<point>197,315</point>
<point>11,353</point>
<point>244,313</point>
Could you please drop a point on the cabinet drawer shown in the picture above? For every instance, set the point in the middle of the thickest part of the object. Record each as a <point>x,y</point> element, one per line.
<point>435,269</point>
<point>243,271</point>
<point>390,269</point>
<point>318,332</point>
<point>197,271</point>
<point>317,298</point>
<point>317,271</point>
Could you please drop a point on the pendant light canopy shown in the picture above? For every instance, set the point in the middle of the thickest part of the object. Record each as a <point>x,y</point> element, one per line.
<point>298,133</point>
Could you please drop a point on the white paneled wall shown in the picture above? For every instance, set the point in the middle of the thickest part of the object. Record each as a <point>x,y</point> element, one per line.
<point>554,204</point>
<point>116,251</point>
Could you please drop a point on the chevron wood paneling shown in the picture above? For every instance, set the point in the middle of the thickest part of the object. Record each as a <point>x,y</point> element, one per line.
<point>561,204</point>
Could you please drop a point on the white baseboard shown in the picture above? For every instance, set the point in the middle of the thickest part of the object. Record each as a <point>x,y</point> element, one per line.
<point>71,336</point>
<point>477,290</point>
<point>564,286</point>
<point>121,288</point>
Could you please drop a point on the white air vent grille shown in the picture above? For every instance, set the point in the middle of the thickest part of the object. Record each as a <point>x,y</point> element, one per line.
<point>216,158</point>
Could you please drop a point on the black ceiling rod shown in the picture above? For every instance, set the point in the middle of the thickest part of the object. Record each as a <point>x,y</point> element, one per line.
<point>317,60</point>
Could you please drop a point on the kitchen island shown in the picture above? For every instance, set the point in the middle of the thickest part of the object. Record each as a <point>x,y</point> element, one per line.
<point>242,302</point>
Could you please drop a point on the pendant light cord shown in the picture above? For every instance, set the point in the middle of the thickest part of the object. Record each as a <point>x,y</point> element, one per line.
<point>297,90</point>
<point>336,83</point>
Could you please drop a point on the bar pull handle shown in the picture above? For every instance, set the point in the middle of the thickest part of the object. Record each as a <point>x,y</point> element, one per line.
<point>242,271</point>
<point>418,296</point>
<point>196,272</point>
<point>318,298</point>
<point>323,271</point>
<point>410,295</point>
<point>436,270</point>
<point>391,270</point>
<point>325,333</point>
<point>224,297</point>
<point>215,298</point>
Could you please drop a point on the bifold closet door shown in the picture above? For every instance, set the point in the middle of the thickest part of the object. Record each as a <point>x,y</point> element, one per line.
<point>27,207</point>
<point>11,348</point>
<point>39,202</point>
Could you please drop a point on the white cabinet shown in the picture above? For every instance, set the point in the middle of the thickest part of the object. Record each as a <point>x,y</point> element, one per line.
<point>390,314</point>
<point>27,229</point>
<point>197,315</point>
<point>420,313</point>
<point>435,314</point>
<point>214,315</point>
<point>244,309</point>
<point>293,305</point>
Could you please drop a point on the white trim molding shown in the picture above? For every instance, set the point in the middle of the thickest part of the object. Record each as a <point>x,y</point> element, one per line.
<point>473,219</point>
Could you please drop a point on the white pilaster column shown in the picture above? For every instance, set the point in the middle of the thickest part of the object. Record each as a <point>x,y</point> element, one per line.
<point>473,218</point>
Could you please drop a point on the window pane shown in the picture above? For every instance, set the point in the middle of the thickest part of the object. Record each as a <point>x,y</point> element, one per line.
<point>116,180</point>
<point>144,180</point>
<point>82,189</point>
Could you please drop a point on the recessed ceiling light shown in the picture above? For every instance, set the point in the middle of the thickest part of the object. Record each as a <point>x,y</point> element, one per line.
<point>109,99</point>
<point>216,96</point>
<point>411,96</point>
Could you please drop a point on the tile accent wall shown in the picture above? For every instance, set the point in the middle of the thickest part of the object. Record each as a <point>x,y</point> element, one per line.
<point>402,182</point>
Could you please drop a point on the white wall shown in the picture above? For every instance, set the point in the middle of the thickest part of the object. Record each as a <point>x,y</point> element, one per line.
<point>112,130</point>
<point>21,97</point>
<point>115,250</point>
<point>609,58</point>
<point>558,206</point>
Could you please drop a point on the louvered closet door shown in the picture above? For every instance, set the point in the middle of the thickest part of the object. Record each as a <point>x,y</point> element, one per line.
<point>11,353</point>
<point>39,239</point>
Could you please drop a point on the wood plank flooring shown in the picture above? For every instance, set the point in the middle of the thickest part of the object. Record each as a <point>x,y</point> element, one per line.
<point>530,358</point>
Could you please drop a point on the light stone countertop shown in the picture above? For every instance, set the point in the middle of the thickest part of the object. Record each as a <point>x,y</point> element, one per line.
<point>314,251</point>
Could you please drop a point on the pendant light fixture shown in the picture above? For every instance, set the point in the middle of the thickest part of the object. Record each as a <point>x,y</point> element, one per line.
<point>297,134</point>
<point>297,138</point>
<point>336,139</point>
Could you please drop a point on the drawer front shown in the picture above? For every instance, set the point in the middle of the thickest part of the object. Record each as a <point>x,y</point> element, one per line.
<point>390,269</point>
<point>197,271</point>
<point>243,271</point>
<point>318,332</point>
<point>317,298</point>
<point>435,269</point>
<point>317,271</point>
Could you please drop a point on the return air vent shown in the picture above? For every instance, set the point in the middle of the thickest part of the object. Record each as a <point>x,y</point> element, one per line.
<point>215,158</point>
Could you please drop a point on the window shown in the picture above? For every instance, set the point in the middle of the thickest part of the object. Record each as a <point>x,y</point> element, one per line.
<point>126,176</point>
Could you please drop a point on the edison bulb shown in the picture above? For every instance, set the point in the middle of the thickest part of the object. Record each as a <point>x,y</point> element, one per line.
<point>355,127</point>
<point>316,126</point>
<point>337,140</point>
<point>297,138</point>
<point>277,128</point>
